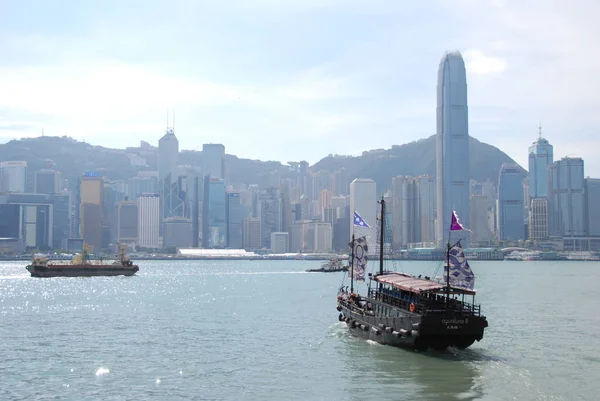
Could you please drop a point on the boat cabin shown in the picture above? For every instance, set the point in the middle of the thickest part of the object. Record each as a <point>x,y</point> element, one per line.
<point>420,295</point>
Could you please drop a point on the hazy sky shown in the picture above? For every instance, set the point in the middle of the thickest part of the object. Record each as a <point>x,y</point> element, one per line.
<point>299,79</point>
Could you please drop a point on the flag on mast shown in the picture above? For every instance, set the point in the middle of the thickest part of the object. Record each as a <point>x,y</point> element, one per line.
<point>457,268</point>
<point>359,221</point>
<point>455,224</point>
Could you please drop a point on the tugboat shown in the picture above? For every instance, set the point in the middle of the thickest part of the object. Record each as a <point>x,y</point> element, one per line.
<point>333,265</point>
<point>414,312</point>
<point>81,266</point>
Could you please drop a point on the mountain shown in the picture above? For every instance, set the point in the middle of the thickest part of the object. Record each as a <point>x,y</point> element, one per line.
<point>413,159</point>
<point>72,158</point>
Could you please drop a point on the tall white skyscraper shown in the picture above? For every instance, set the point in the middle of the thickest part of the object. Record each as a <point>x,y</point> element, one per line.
<point>363,200</point>
<point>13,176</point>
<point>452,149</point>
<point>148,220</point>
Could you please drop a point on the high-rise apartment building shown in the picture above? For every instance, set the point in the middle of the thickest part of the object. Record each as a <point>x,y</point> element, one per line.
<point>270,215</point>
<point>340,182</point>
<point>452,149</point>
<point>592,189</point>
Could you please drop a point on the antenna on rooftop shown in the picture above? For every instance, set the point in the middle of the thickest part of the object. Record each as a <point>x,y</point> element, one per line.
<point>170,128</point>
<point>540,129</point>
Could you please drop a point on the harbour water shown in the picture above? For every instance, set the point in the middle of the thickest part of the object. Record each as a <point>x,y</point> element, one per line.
<point>266,330</point>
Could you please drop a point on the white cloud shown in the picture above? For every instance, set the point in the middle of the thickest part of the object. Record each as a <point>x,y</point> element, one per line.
<point>478,63</point>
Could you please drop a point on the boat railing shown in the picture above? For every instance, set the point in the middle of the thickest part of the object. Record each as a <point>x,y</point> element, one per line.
<point>395,300</point>
<point>421,305</point>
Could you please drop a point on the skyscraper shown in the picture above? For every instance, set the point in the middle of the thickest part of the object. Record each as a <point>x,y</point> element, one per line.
<point>480,227</point>
<point>540,157</point>
<point>234,221</point>
<point>592,189</point>
<point>92,210</point>
<point>148,220</point>
<point>47,181</point>
<point>214,213</point>
<point>427,208</point>
<point>538,219</point>
<point>405,211</point>
<point>213,160</point>
<point>452,148</point>
<point>270,215</point>
<point>172,204</point>
<point>363,200</point>
<point>127,222</point>
<point>510,203</point>
<point>567,216</point>
<point>61,218</point>
<point>13,176</point>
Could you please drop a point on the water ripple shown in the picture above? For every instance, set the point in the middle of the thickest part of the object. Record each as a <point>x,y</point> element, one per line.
<point>267,330</point>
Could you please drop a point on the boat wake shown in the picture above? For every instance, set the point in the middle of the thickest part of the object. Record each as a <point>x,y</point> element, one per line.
<point>252,273</point>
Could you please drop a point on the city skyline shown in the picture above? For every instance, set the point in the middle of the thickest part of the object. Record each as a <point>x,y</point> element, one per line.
<point>245,73</point>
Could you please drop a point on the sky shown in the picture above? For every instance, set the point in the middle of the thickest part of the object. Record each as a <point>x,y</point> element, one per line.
<point>299,79</point>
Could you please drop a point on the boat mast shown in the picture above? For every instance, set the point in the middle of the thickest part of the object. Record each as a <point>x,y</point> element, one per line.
<point>351,264</point>
<point>381,236</point>
<point>448,274</point>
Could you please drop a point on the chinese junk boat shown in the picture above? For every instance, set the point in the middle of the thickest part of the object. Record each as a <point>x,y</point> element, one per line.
<point>81,266</point>
<point>414,312</point>
<point>333,265</point>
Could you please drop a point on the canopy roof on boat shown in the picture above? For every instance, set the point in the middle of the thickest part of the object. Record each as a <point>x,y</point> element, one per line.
<point>417,285</point>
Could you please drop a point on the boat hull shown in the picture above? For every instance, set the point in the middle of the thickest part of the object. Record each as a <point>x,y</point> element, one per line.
<point>81,270</point>
<point>411,330</point>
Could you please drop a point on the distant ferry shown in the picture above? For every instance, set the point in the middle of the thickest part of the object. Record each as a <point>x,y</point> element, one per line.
<point>81,266</point>
<point>333,265</point>
<point>403,310</point>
